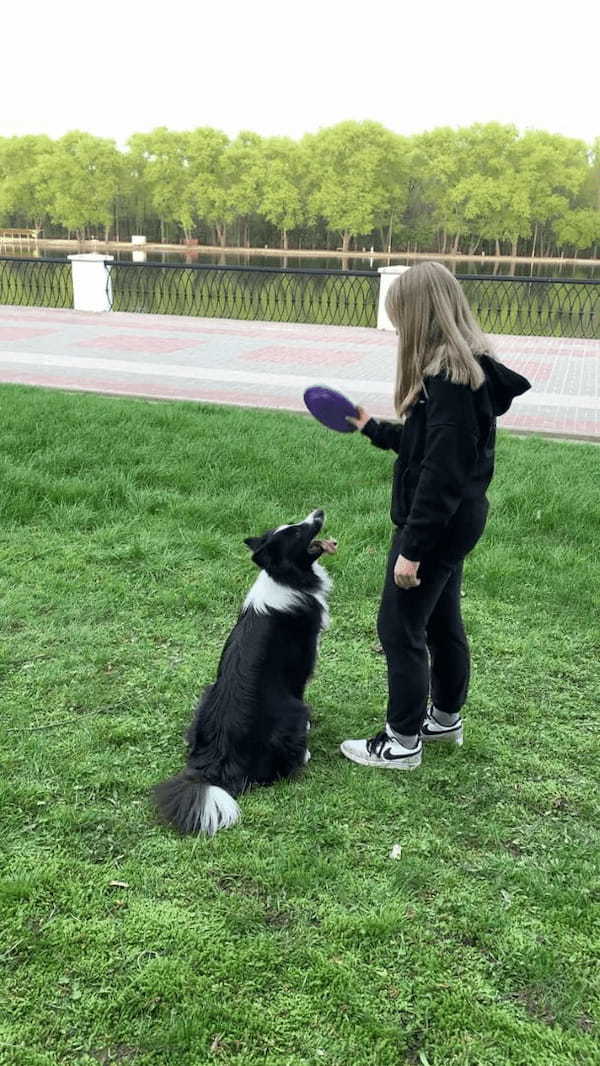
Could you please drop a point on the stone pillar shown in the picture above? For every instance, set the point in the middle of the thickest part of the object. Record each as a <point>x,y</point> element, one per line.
<point>386,277</point>
<point>92,289</point>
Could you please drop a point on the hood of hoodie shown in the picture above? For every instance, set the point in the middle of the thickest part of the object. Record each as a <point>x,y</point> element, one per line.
<point>503,383</point>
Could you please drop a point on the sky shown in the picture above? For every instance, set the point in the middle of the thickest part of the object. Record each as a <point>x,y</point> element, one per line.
<point>115,68</point>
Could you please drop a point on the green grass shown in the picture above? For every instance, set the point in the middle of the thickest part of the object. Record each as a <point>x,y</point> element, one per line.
<point>293,939</point>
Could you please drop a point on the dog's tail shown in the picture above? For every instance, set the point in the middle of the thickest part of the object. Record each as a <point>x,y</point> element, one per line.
<point>192,805</point>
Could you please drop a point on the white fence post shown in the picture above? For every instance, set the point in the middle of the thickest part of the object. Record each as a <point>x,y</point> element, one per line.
<point>386,277</point>
<point>92,290</point>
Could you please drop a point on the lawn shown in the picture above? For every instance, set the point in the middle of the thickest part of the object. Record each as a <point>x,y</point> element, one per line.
<point>293,939</point>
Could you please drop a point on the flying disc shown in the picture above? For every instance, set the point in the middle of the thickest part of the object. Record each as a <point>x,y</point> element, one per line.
<point>330,407</point>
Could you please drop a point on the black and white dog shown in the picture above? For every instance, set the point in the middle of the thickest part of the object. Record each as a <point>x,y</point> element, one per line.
<point>251,725</point>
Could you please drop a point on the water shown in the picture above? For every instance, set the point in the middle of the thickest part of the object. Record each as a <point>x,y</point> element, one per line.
<point>192,257</point>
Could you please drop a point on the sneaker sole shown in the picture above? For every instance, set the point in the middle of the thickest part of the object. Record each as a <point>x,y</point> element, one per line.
<point>448,738</point>
<point>412,762</point>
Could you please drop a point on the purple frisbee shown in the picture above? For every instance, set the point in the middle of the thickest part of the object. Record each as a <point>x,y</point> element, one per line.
<point>330,408</point>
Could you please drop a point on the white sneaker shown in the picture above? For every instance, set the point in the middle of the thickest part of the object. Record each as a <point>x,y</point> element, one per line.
<point>384,751</point>
<point>432,730</point>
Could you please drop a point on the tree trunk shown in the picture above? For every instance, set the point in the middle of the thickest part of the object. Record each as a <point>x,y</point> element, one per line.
<point>514,247</point>
<point>284,237</point>
<point>346,238</point>
<point>162,231</point>
<point>535,230</point>
<point>498,250</point>
<point>444,241</point>
<point>389,240</point>
<point>456,244</point>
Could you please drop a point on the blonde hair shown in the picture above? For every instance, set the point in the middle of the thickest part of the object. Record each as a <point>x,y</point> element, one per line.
<point>437,332</point>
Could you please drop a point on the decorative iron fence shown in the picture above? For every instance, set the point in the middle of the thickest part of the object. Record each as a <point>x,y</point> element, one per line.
<point>36,282</point>
<point>539,307</point>
<point>266,294</point>
<point>552,307</point>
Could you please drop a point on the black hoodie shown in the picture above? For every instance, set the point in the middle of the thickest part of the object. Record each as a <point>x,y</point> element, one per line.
<point>446,460</point>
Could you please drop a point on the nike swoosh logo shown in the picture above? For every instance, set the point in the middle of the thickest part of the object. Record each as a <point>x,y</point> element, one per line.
<point>394,758</point>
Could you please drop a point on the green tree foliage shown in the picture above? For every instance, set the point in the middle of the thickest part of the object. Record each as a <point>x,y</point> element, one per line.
<point>485,187</point>
<point>25,167</point>
<point>163,156</point>
<point>81,178</point>
<point>283,186</point>
<point>355,171</point>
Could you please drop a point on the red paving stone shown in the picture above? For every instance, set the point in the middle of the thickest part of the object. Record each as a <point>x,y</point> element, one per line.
<point>127,342</point>
<point>8,334</point>
<point>301,356</point>
<point>269,364</point>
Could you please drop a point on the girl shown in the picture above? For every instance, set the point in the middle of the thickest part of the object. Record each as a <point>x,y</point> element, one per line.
<point>449,390</point>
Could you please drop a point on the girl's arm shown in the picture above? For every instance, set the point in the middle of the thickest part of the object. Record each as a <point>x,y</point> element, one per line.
<point>381,434</point>
<point>450,456</point>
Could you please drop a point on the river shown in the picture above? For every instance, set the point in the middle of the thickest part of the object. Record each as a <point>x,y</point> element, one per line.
<point>192,256</point>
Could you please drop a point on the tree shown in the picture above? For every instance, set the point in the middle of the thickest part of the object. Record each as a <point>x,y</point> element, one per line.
<point>434,170</point>
<point>490,198</point>
<point>555,169</point>
<point>243,173</point>
<point>283,185</point>
<point>163,155</point>
<point>25,165</point>
<point>207,154</point>
<point>82,178</point>
<point>353,170</point>
<point>579,228</point>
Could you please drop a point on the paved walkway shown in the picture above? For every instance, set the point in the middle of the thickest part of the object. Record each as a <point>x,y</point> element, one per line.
<point>269,364</point>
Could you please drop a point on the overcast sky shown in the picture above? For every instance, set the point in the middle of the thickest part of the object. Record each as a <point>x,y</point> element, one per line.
<point>116,68</point>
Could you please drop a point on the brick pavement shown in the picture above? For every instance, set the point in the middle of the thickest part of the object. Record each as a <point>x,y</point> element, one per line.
<point>269,364</point>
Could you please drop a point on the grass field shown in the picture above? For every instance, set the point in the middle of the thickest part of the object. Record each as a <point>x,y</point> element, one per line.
<point>293,939</point>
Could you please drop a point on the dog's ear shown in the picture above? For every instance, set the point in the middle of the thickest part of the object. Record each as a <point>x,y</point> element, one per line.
<point>258,547</point>
<point>253,542</point>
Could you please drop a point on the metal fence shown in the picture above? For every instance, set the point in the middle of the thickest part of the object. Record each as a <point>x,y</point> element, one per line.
<point>552,307</point>
<point>36,282</point>
<point>266,294</point>
<point>539,307</point>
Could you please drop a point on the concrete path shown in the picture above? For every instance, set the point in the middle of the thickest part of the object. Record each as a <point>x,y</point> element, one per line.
<point>269,364</point>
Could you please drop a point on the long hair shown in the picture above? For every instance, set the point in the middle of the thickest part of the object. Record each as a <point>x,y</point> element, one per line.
<point>437,332</point>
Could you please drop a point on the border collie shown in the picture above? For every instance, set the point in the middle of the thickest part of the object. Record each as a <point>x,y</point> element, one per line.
<point>250,726</point>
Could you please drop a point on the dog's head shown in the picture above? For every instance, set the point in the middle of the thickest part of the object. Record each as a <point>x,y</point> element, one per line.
<point>291,549</point>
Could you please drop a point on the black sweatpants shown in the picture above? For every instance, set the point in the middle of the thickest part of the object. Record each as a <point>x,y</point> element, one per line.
<point>424,640</point>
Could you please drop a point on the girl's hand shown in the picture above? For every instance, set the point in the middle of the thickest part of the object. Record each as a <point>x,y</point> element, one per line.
<point>362,419</point>
<point>405,573</point>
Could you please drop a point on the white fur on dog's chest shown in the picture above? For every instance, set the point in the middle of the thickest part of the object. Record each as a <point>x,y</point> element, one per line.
<point>268,595</point>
